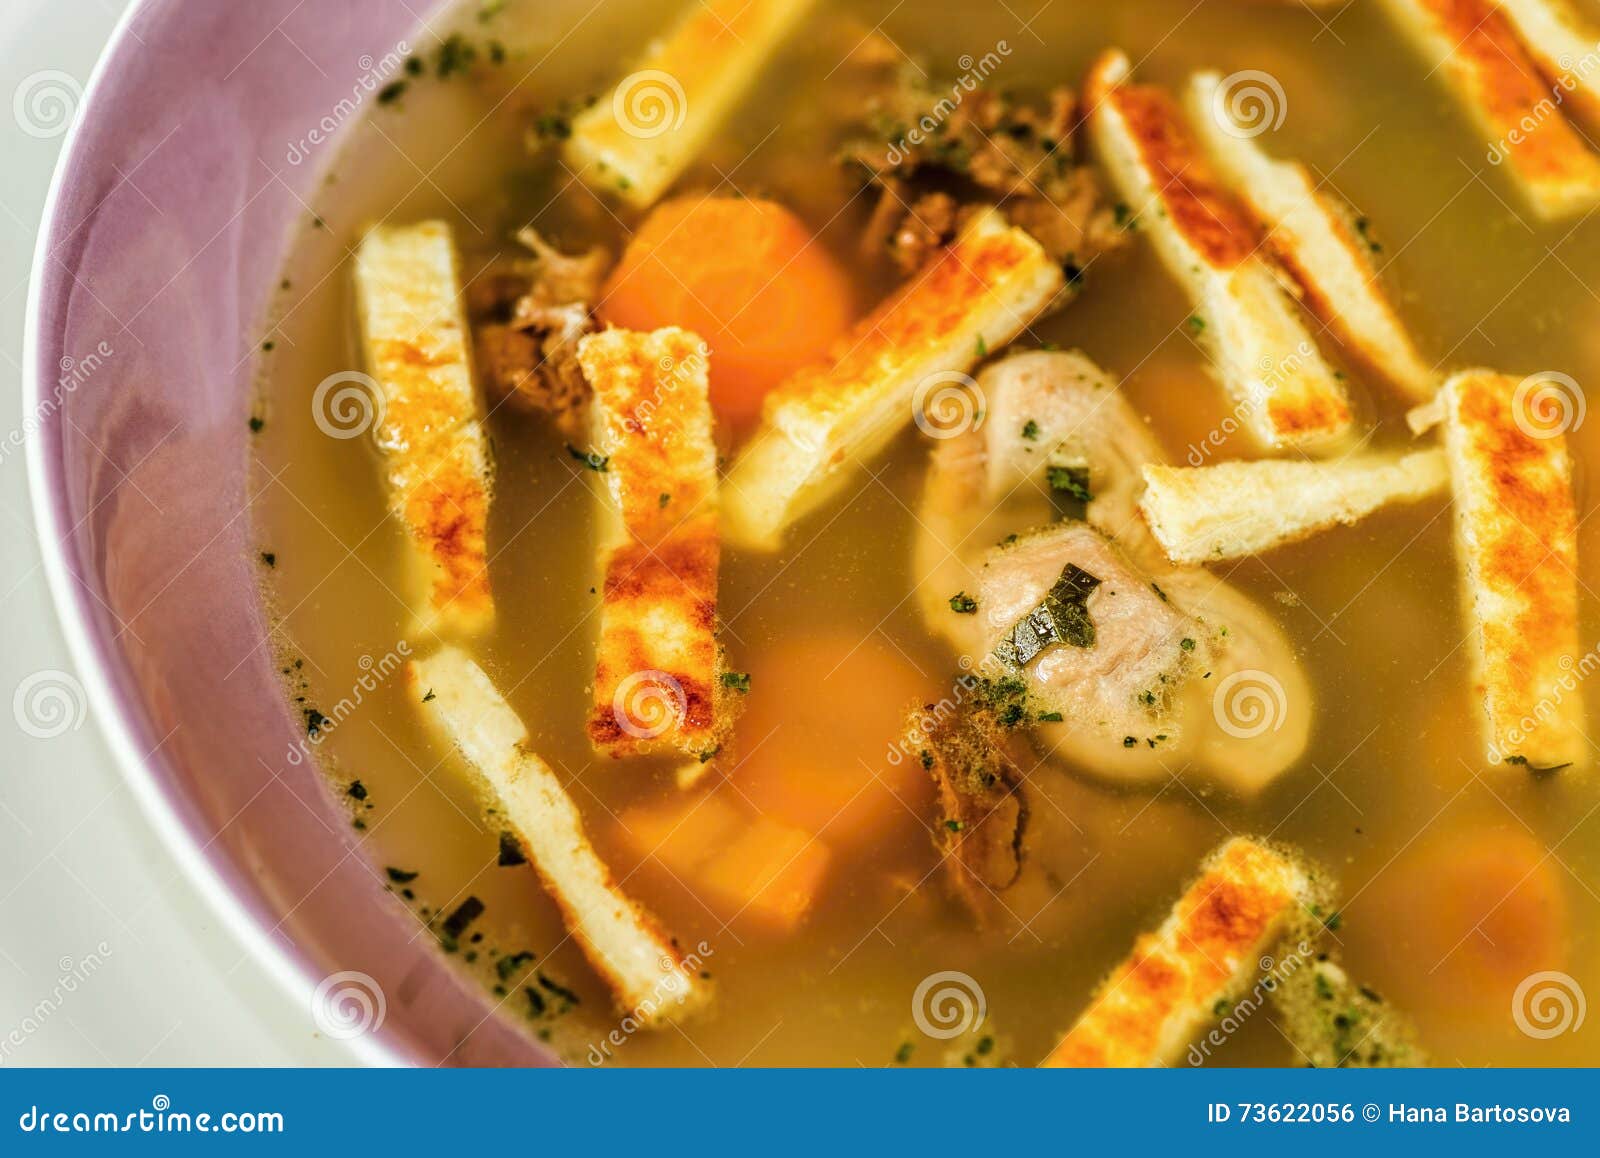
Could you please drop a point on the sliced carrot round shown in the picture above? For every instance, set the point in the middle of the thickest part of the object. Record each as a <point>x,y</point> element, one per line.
<point>744,274</point>
<point>1469,914</point>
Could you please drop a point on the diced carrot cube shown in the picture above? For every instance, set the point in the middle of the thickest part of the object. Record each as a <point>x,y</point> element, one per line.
<point>739,863</point>
<point>770,872</point>
<point>686,834</point>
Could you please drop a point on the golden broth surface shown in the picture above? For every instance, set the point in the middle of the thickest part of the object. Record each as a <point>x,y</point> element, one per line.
<point>1392,790</point>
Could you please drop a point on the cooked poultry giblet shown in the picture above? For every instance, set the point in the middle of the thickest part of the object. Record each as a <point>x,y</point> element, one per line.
<point>1055,430</point>
<point>983,810</point>
<point>527,319</point>
<point>1177,668</point>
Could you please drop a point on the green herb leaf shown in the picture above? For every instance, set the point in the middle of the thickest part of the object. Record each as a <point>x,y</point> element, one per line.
<point>1062,617</point>
<point>511,850</point>
<point>1070,480</point>
<point>590,459</point>
<point>466,912</point>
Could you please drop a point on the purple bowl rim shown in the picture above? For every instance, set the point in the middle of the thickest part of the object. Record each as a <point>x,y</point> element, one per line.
<point>111,701</point>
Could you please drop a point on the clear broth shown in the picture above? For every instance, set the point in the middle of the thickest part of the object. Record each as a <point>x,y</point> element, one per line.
<point>1395,763</point>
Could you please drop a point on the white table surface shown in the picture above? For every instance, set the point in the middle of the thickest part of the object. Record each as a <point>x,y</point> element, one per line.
<point>87,892</point>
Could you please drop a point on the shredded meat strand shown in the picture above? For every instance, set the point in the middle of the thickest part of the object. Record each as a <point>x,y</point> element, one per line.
<point>934,152</point>
<point>983,810</point>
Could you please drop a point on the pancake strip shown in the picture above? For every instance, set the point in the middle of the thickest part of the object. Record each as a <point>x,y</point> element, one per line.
<point>427,420</point>
<point>1516,533</point>
<point>1473,47</point>
<point>1561,40</point>
<point>898,364</point>
<point>635,141</point>
<point>657,675</point>
<point>1318,239</point>
<point>1154,1004</point>
<point>1283,389</point>
<point>1211,513</point>
<point>637,959</point>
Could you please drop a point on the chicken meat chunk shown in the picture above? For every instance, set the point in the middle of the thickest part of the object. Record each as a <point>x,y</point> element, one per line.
<point>1136,670</point>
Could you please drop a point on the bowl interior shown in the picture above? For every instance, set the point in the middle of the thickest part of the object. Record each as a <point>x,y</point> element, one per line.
<point>175,203</point>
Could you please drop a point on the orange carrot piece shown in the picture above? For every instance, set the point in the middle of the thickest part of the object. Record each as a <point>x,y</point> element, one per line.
<point>684,837</point>
<point>740,864</point>
<point>773,871</point>
<point>1473,911</point>
<point>748,277</point>
<point>817,739</point>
